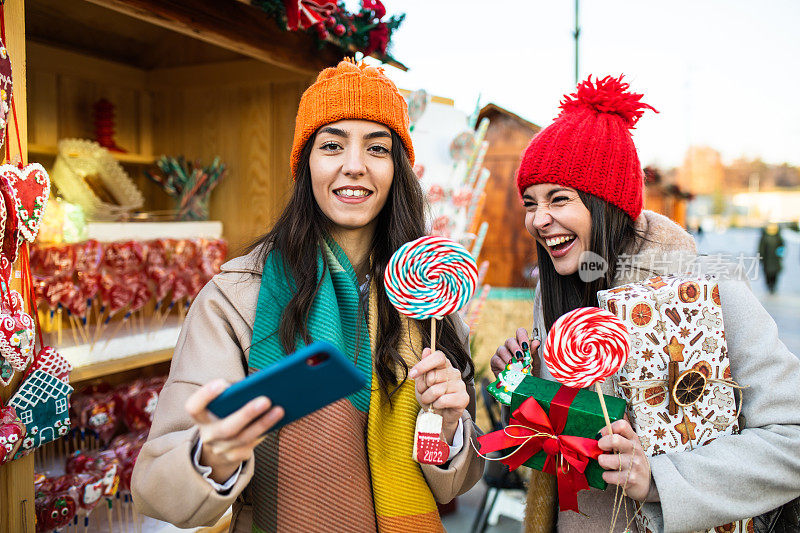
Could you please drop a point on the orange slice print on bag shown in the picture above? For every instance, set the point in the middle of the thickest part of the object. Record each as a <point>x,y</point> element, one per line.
<point>727,528</point>
<point>655,396</point>
<point>641,314</point>
<point>689,292</point>
<point>704,367</point>
<point>715,295</point>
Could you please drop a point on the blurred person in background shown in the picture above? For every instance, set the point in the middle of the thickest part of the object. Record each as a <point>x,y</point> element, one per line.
<point>771,248</point>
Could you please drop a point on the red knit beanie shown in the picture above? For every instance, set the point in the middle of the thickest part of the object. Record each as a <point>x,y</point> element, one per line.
<point>589,146</point>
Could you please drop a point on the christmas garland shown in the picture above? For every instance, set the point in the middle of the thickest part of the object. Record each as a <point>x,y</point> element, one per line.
<point>366,31</point>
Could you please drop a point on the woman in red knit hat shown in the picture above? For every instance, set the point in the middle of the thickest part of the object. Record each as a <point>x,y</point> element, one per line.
<point>581,183</point>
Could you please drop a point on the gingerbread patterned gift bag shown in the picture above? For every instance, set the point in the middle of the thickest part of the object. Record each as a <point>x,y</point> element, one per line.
<point>677,380</point>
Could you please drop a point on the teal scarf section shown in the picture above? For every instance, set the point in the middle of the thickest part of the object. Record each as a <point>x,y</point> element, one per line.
<point>334,315</point>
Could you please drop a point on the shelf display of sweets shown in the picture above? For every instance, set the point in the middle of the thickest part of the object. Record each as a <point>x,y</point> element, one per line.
<point>93,280</point>
<point>103,412</point>
<point>677,381</point>
<point>91,477</point>
<point>85,490</point>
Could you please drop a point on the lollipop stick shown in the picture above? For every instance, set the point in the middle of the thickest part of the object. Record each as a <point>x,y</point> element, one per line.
<point>433,334</point>
<point>603,405</point>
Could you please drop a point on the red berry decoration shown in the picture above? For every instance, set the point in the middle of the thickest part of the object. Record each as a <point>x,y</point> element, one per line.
<point>339,30</point>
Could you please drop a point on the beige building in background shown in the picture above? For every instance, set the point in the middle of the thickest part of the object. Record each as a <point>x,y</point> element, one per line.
<point>702,171</point>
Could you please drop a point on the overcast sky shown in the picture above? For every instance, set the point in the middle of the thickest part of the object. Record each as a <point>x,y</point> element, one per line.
<point>722,73</point>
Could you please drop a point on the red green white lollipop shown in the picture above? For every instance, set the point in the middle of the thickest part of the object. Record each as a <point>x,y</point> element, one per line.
<point>430,277</point>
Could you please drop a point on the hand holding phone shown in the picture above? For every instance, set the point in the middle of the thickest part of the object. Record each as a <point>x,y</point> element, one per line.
<point>229,441</point>
<point>238,415</point>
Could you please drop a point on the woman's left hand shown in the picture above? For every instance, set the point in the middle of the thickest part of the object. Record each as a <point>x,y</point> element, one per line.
<point>440,385</point>
<point>628,467</point>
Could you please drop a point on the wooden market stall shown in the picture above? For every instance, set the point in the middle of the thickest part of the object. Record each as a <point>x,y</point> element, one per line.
<point>507,246</point>
<point>667,199</point>
<point>190,77</point>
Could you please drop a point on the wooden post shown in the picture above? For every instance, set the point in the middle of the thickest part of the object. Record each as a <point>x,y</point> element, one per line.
<point>16,477</point>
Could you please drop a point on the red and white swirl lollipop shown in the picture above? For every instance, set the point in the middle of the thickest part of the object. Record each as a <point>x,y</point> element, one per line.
<point>584,347</point>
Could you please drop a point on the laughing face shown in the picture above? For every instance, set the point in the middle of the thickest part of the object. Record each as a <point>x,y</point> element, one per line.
<point>560,222</point>
<point>352,172</point>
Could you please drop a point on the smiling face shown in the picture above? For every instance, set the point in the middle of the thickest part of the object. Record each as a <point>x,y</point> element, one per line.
<point>559,221</point>
<point>351,172</point>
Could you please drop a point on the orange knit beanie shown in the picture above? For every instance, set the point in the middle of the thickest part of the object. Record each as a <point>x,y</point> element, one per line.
<point>350,91</point>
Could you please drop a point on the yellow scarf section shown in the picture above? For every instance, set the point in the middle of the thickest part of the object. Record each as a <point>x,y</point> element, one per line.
<point>403,500</point>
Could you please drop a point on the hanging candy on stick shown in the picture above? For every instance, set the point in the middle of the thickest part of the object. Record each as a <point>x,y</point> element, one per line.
<point>584,347</point>
<point>430,278</point>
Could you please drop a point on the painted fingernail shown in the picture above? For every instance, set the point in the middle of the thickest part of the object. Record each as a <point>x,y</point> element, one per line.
<point>519,355</point>
<point>525,346</point>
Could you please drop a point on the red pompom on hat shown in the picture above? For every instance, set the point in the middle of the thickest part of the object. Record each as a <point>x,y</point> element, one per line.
<point>589,146</point>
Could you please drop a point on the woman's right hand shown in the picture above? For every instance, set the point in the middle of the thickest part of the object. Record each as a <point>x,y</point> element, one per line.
<point>229,441</point>
<point>513,349</point>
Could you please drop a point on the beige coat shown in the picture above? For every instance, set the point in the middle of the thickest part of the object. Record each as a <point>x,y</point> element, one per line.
<point>213,343</point>
<point>736,476</point>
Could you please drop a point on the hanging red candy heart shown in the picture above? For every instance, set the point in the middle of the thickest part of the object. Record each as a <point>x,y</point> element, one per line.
<point>11,233</point>
<point>16,333</point>
<point>12,432</point>
<point>5,87</point>
<point>32,187</point>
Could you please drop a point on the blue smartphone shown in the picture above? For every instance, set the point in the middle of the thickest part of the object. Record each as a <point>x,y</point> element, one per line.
<point>303,382</point>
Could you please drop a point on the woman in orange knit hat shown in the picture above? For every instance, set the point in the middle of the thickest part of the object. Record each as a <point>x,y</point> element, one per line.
<point>581,184</point>
<point>317,275</point>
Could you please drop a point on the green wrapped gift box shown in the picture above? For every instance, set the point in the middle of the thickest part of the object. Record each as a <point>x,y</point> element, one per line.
<point>584,418</point>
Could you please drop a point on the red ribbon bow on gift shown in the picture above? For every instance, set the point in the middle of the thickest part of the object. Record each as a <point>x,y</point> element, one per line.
<point>303,14</point>
<point>567,455</point>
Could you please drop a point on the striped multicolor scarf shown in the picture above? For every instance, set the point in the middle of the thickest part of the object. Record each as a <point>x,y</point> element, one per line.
<point>348,466</point>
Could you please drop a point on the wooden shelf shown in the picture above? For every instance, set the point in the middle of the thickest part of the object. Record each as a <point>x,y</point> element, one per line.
<point>133,159</point>
<point>103,368</point>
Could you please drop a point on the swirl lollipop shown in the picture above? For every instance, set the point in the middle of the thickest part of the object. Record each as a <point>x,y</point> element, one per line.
<point>584,347</point>
<point>430,277</point>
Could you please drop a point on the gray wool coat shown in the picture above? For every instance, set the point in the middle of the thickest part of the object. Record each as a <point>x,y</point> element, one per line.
<point>736,476</point>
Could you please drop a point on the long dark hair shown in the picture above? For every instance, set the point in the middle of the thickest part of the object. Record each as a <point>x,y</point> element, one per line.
<point>297,235</point>
<point>613,233</point>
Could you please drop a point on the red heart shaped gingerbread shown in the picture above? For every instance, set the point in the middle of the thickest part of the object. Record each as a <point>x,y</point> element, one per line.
<point>32,186</point>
